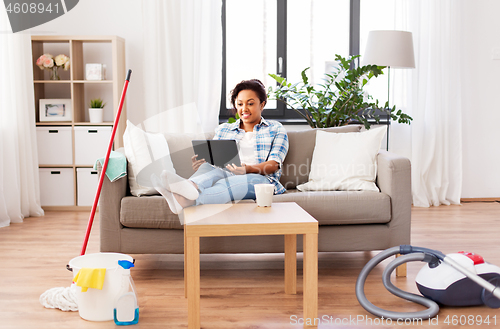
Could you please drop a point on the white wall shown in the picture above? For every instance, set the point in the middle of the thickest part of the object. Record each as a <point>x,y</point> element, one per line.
<point>109,17</point>
<point>481,86</point>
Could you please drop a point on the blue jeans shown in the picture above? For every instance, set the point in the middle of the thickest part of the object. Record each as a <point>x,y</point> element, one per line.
<point>218,186</point>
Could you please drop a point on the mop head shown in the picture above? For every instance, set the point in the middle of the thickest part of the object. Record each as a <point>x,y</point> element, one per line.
<point>63,298</point>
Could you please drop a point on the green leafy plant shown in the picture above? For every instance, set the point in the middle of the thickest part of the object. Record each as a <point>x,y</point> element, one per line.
<point>233,120</point>
<point>339,100</point>
<point>97,103</point>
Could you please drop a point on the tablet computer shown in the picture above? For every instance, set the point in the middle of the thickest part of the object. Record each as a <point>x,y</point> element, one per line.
<point>218,152</point>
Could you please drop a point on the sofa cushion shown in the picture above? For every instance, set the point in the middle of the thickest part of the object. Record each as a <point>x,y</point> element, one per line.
<point>345,162</point>
<point>297,164</point>
<point>328,207</point>
<point>147,212</point>
<point>142,149</point>
<point>342,207</point>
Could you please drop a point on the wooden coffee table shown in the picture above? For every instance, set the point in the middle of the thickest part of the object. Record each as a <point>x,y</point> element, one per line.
<point>242,219</point>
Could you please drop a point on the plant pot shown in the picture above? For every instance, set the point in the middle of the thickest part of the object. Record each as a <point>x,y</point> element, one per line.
<point>96,115</point>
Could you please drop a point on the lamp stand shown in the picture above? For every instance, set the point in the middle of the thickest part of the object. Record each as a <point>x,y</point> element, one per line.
<point>388,104</point>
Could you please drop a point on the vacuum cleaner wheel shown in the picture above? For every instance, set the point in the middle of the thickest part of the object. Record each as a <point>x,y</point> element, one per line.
<point>488,298</point>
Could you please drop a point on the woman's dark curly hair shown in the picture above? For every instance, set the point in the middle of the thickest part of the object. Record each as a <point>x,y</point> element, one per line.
<point>253,84</point>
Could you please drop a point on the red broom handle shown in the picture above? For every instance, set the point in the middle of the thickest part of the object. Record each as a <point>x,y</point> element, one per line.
<point>105,165</point>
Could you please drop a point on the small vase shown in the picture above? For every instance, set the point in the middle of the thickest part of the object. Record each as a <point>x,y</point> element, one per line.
<point>54,74</point>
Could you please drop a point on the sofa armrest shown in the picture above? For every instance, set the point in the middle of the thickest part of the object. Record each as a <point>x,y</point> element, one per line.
<point>109,211</point>
<point>394,179</point>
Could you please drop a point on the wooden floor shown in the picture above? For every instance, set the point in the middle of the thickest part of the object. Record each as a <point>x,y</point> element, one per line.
<point>237,291</point>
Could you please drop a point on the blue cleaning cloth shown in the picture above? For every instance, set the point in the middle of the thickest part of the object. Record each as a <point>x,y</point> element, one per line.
<point>117,166</point>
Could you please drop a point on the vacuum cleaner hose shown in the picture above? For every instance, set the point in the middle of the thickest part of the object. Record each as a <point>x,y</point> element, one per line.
<point>432,307</point>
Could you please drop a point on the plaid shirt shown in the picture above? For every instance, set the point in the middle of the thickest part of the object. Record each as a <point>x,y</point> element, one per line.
<point>271,143</point>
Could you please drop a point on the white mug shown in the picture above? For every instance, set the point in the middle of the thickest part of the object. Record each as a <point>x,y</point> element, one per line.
<point>264,194</point>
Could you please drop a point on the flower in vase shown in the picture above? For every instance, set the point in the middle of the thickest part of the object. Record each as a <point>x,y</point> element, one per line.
<point>48,63</point>
<point>62,61</point>
<point>45,61</point>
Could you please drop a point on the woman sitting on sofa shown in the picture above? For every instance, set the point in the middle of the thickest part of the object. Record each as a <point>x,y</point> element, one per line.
<point>263,145</point>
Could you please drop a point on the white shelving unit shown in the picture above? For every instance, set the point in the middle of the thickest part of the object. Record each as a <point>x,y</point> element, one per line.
<point>87,139</point>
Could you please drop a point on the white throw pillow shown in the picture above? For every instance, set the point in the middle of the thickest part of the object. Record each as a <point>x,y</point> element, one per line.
<point>345,161</point>
<point>141,150</point>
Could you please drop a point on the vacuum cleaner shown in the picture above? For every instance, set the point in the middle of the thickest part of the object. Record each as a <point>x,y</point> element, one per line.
<point>458,279</point>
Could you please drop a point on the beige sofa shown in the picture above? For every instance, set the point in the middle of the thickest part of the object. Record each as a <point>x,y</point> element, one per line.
<point>348,220</point>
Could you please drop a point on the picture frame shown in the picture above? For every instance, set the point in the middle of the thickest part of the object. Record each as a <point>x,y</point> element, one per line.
<point>55,110</point>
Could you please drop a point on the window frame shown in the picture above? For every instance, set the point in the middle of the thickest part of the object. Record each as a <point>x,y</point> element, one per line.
<point>280,113</point>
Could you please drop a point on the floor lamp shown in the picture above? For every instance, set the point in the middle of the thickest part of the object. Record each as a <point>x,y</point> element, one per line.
<point>392,49</point>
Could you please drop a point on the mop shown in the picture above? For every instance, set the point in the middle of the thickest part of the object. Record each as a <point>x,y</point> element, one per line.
<point>64,298</point>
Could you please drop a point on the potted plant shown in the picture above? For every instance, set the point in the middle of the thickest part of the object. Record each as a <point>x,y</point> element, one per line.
<point>233,120</point>
<point>340,100</point>
<point>96,110</point>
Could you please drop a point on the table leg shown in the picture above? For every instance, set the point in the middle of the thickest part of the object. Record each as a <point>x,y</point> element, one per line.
<point>401,269</point>
<point>310,279</point>
<point>193,282</point>
<point>185,263</point>
<point>291,264</point>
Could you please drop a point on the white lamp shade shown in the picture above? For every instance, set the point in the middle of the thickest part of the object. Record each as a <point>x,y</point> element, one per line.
<point>389,48</point>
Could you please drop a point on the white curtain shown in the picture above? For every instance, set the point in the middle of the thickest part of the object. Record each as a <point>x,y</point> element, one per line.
<point>433,99</point>
<point>183,65</point>
<point>19,183</point>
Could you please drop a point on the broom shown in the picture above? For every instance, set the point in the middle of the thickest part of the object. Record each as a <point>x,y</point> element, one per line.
<point>65,298</point>
<point>105,165</point>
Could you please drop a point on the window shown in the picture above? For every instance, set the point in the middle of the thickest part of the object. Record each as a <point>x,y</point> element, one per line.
<point>284,37</point>
<point>317,30</point>
<point>251,37</point>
